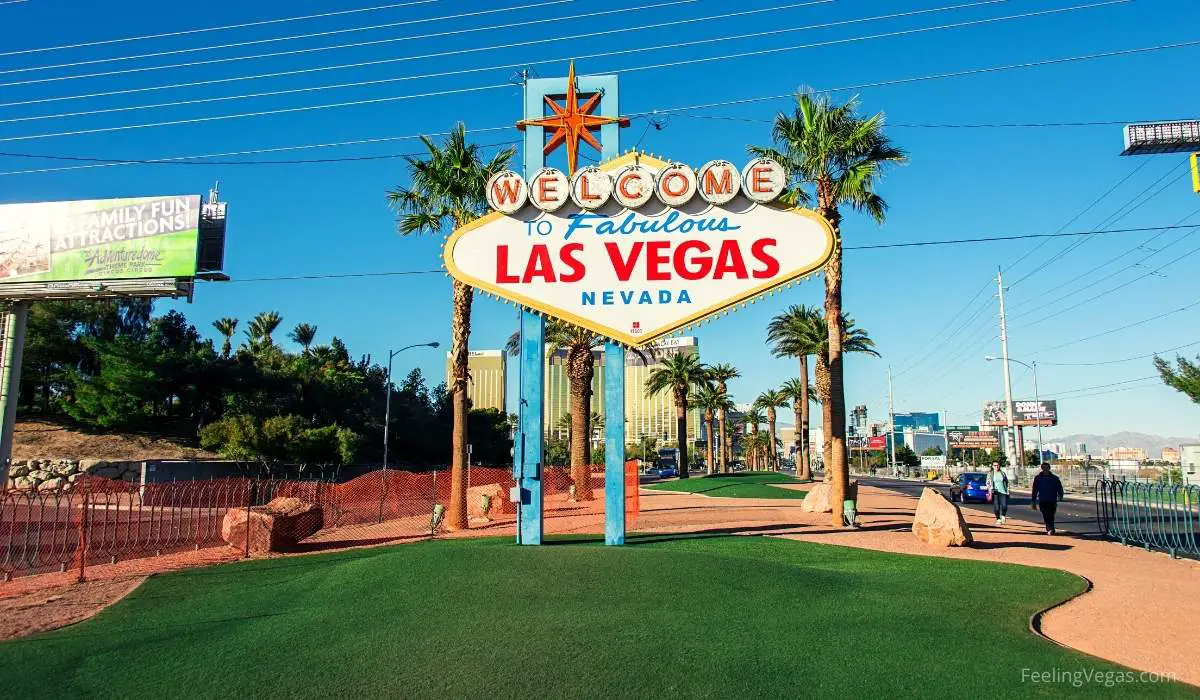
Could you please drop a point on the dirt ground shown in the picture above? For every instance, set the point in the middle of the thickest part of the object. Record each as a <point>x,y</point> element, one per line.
<point>34,439</point>
<point>1143,611</point>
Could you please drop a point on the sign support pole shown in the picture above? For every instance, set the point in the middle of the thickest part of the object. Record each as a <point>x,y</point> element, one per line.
<point>529,457</point>
<point>10,381</point>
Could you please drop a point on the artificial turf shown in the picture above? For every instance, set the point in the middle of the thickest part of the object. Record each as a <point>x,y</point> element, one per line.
<point>743,485</point>
<point>742,617</point>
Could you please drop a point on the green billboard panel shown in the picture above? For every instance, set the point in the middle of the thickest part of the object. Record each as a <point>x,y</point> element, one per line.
<point>99,239</point>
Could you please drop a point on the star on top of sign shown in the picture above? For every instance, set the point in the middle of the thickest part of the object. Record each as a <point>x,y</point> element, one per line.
<point>572,122</point>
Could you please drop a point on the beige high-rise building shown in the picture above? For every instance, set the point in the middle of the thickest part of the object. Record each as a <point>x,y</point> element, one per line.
<point>645,416</point>
<point>486,385</point>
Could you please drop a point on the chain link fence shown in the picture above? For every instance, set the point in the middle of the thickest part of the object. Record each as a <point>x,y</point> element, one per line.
<point>104,521</point>
<point>1155,516</point>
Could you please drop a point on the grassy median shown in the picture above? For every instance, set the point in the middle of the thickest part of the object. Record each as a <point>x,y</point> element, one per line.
<point>743,485</point>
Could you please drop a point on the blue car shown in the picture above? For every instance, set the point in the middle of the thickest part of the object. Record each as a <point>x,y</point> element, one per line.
<point>969,486</point>
<point>668,472</point>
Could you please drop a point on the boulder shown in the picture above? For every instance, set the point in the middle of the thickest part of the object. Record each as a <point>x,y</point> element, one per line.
<point>51,484</point>
<point>499,503</point>
<point>87,465</point>
<point>817,500</point>
<point>24,483</point>
<point>939,522</point>
<point>280,524</point>
<point>39,475</point>
<point>18,470</point>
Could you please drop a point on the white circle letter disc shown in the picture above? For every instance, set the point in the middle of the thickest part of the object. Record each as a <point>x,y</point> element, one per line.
<point>549,189</point>
<point>719,181</point>
<point>506,192</point>
<point>763,179</point>
<point>633,186</point>
<point>591,187</point>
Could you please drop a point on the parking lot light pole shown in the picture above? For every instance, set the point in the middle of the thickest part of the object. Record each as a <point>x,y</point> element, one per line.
<point>387,411</point>
<point>1036,399</point>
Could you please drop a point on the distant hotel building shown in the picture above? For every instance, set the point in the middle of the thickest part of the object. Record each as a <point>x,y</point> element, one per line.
<point>486,383</point>
<point>645,416</point>
<point>1127,453</point>
<point>1170,455</point>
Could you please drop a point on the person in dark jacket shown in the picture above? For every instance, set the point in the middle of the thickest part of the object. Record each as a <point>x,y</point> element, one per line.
<point>1047,492</point>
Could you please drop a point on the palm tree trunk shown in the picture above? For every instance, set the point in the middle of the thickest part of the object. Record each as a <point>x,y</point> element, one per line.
<point>754,448</point>
<point>460,327</point>
<point>772,457</point>
<point>805,448</point>
<point>681,427</point>
<point>709,439</point>
<point>723,454</point>
<point>821,373</point>
<point>580,368</point>
<point>837,395</point>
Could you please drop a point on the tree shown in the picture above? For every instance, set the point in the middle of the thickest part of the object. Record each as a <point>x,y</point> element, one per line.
<point>226,327</point>
<point>771,400</point>
<point>796,390</point>
<point>842,156</point>
<point>854,340</point>
<point>906,456</point>
<point>446,188</point>
<point>753,418</point>
<point>796,333</point>
<point>720,374</point>
<point>933,451</point>
<point>303,335</point>
<point>262,328</point>
<point>280,440</point>
<point>679,374</point>
<point>709,398</point>
<point>1184,378</point>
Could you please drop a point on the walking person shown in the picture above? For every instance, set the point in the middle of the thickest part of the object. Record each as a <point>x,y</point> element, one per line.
<point>1047,492</point>
<point>998,485</point>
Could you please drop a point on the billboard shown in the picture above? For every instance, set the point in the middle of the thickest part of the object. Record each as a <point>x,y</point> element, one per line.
<point>1025,413</point>
<point>99,240</point>
<point>862,442</point>
<point>638,248</point>
<point>970,437</point>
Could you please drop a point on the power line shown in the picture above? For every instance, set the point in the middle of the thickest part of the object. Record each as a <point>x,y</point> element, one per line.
<point>348,275</point>
<point>917,244</point>
<point>1110,219</point>
<point>342,159</point>
<point>1100,386</point>
<point>380,81</point>
<point>748,100</point>
<point>908,366</point>
<point>1124,359</point>
<point>200,30</point>
<point>672,64</point>
<point>1118,329</point>
<point>312,49</point>
<point>896,125</point>
<point>276,39</point>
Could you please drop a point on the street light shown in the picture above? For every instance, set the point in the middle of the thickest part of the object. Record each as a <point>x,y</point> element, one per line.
<point>1036,398</point>
<point>387,411</point>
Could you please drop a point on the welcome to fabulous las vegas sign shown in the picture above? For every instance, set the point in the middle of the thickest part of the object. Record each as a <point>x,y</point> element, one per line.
<point>637,248</point>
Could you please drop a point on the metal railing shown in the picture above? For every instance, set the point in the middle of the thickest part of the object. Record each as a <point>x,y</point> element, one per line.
<point>1155,516</point>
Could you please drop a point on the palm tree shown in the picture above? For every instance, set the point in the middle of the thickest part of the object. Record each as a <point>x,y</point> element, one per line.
<point>853,340</point>
<point>262,328</point>
<point>712,400</point>
<point>227,327</point>
<point>843,156</point>
<point>721,374</point>
<point>679,374</point>
<point>726,406</point>
<point>770,400</point>
<point>796,334</point>
<point>753,418</point>
<point>304,334</point>
<point>797,392</point>
<point>446,188</point>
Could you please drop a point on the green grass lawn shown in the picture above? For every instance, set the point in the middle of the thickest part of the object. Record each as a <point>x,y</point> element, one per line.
<point>743,485</point>
<point>705,617</point>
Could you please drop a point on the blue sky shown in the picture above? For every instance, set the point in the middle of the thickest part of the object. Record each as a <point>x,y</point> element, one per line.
<point>313,219</point>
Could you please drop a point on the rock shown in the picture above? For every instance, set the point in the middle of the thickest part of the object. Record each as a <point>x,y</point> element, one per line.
<point>939,522</point>
<point>817,499</point>
<point>87,465</point>
<point>24,483</point>
<point>280,524</point>
<point>39,475</point>
<point>18,470</point>
<point>51,484</point>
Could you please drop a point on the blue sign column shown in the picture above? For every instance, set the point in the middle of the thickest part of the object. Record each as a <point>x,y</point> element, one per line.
<point>527,466</point>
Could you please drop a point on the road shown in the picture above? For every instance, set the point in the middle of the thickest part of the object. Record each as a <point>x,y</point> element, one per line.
<point>1076,514</point>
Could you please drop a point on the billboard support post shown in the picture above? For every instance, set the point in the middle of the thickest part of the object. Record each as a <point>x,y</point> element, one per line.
<point>10,381</point>
<point>1012,432</point>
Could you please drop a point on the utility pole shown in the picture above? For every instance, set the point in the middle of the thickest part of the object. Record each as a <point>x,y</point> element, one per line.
<point>891,424</point>
<point>1010,444</point>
